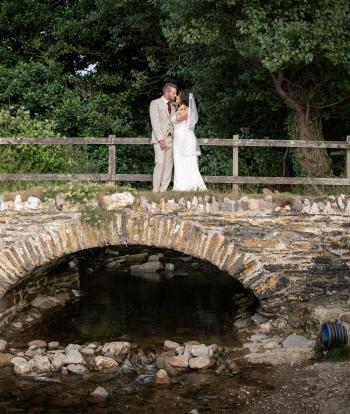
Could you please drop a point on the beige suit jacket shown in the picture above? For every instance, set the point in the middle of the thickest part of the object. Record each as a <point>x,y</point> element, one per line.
<point>162,127</point>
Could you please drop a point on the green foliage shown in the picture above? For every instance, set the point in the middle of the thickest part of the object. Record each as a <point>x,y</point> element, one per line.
<point>339,353</point>
<point>90,68</point>
<point>31,158</point>
<point>96,216</point>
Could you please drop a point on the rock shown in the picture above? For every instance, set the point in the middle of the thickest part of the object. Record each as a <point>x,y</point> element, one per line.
<point>33,203</point>
<point>102,362</point>
<point>180,350</point>
<point>118,200</point>
<point>162,363</point>
<point>179,361</point>
<point>72,264</point>
<point>22,368</point>
<point>3,345</point>
<point>44,303</point>
<point>234,367</point>
<point>241,323</point>
<point>99,392</point>
<point>73,357</point>
<point>146,267</point>
<point>53,345</point>
<point>169,267</point>
<point>37,344</point>
<point>155,257</point>
<point>314,209</point>
<point>282,356</point>
<point>64,371</point>
<point>297,341</point>
<point>40,363</point>
<point>170,345</point>
<point>116,348</point>
<point>17,325</point>
<point>18,203</point>
<point>87,351</point>
<point>199,350</point>
<point>71,347</point>
<point>162,377</point>
<point>266,327</point>
<point>57,360</point>
<point>345,317</point>
<point>220,368</point>
<point>76,369</point>
<point>213,348</point>
<point>5,360</point>
<point>201,362</point>
<point>60,201</point>
<point>111,252</point>
<point>327,313</point>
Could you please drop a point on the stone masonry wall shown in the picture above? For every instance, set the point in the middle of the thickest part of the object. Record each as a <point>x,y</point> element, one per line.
<point>286,252</point>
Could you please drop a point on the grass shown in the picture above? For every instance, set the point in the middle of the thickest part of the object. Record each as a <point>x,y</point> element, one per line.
<point>338,354</point>
<point>80,190</point>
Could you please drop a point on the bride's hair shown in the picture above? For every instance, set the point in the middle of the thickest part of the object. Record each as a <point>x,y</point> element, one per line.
<point>185,97</point>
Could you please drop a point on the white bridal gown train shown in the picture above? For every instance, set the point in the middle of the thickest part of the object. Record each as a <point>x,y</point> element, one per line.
<point>185,152</point>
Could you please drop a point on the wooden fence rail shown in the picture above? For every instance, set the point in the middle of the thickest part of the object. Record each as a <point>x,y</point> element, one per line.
<point>113,141</point>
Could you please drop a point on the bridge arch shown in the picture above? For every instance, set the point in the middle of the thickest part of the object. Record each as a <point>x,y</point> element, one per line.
<point>190,237</point>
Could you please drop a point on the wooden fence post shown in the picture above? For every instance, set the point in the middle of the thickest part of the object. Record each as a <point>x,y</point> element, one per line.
<point>112,161</point>
<point>348,159</point>
<point>235,187</point>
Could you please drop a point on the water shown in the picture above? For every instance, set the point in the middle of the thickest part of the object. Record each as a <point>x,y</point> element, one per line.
<point>191,304</point>
<point>149,308</point>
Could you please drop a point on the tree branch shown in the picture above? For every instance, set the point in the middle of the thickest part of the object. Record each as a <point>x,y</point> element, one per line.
<point>333,104</point>
<point>278,80</point>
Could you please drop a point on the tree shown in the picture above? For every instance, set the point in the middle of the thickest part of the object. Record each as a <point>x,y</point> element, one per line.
<point>303,47</point>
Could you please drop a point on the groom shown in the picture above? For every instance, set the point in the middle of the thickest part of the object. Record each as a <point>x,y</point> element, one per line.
<point>162,137</point>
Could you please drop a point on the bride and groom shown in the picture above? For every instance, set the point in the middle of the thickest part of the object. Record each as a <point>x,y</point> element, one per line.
<point>173,118</point>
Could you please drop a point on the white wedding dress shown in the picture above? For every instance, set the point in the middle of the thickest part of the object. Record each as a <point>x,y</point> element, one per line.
<point>185,152</point>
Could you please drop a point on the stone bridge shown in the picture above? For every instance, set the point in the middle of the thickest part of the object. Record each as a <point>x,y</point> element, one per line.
<point>286,253</point>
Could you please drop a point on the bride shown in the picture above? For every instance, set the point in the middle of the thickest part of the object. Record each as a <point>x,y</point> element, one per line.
<point>185,148</point>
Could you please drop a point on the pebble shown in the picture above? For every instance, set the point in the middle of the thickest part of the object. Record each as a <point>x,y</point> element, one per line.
<point>99,392</point>
<point>162,377</point>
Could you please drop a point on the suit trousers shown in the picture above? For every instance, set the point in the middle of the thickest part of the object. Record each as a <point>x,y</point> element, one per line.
<point>163,166</point>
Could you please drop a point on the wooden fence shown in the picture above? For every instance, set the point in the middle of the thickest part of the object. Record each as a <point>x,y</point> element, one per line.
<point>112,141</point>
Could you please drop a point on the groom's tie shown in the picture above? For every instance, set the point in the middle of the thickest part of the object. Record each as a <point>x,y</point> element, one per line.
<point>169,107</point>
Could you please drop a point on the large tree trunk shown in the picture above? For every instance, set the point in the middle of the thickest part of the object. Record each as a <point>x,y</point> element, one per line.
<point>305,125</point>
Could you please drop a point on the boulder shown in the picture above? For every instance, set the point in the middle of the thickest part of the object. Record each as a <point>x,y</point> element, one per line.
<point>57,360</point>
<point>116,348</point>
<point>33,203</point>
<point>102,362</point>
<point>170,345</point>
<point>5,360</point>
<point>199,350</point>
<point>99,392</point>
<point>21,366</point>
<point>87,351</point>
<point>45,303</point>
<point>117,201</point>
<point>76,369</point>
<point>201,362</point>
<point>53,345</point>
<point>40,363</point>
<point>73,357</point>
<point>297,341</point>
<point>162,377</point>
<point>169,267</point>
<point>71,347</point>
<point>147,267</point>
<point>179,361</point>
<point>37,344</point>
<point>3,345</point>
